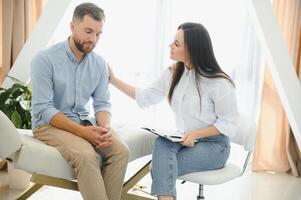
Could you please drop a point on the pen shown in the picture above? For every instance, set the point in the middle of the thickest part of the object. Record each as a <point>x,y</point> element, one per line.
<point>172,136</point>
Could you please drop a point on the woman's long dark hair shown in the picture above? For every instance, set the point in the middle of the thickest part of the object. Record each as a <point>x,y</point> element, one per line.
<point>199,48</point>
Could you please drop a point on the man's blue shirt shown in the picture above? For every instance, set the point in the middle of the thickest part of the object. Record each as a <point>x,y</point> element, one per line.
<point>61,84</point>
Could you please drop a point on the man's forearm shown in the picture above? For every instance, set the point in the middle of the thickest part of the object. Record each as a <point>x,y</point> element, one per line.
<point>103,119</point>
<point>62,122</point>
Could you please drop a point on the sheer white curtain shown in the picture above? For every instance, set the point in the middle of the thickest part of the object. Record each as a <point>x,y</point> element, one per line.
<point>234,41</point>
<point>136,39</point>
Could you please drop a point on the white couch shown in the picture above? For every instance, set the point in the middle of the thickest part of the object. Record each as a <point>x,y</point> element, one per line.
<point>48,167</point>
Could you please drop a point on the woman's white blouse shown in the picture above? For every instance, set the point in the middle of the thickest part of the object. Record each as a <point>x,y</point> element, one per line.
<point>217,105</point>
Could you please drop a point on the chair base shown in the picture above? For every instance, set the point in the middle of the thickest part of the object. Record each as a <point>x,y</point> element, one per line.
<point>201,194</point>
<point>27,193</point>
<point>41,180</point>
<point>133,181</point>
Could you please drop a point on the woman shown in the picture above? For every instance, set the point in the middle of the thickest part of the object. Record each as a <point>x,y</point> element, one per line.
<point>203,100</point>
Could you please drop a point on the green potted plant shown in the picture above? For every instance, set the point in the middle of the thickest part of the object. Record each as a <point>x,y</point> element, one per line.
<point>15,103</point>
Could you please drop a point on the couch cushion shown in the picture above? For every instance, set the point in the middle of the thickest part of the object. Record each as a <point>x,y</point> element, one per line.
<point>10,140</point>
<point>37,157</point>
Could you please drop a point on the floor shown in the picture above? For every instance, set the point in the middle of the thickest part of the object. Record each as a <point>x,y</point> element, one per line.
<point>251,186</point>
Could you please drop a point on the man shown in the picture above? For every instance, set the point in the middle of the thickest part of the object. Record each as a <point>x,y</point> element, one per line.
<point>64,77</point>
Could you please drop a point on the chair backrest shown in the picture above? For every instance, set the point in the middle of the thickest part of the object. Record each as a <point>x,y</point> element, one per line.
<point>246,132</point>
<point>10,140</point>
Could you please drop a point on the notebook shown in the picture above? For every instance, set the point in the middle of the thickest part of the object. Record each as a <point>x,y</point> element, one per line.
<point>172,135</point>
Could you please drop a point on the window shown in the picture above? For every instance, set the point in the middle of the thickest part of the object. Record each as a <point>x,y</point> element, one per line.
<point>136,43</point>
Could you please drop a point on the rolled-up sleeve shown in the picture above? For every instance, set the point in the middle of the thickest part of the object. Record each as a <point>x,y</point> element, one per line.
<point>155,93</point>
<point>43,107</point>
<point>225,108</point>
<point>101,94</point>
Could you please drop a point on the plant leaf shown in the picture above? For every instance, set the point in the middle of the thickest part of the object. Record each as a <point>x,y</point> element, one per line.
<point>5,95</point>
<point>16,119</point>
<point>15,102</point>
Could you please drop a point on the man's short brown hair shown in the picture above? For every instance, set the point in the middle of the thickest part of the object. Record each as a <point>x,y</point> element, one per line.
<point>89,9</point>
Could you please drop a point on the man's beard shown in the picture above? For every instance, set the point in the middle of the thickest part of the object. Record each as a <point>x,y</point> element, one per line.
<point>80,46</point>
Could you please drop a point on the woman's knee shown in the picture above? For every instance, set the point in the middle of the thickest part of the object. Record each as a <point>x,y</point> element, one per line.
<point>162,145</point>
<point>161,142</point>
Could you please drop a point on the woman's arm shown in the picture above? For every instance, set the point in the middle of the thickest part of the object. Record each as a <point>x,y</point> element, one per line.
<point>190,137</point>
<point>144,97</point>
<point>226,111</point>
<point>225,107</point>
<point>121,85</point>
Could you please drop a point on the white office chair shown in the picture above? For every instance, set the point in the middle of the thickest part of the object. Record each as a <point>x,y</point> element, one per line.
<point>48,167</point>
<point>245,137</point>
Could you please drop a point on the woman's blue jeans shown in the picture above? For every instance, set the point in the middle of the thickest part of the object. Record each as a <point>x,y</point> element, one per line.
<point>171,159</point>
